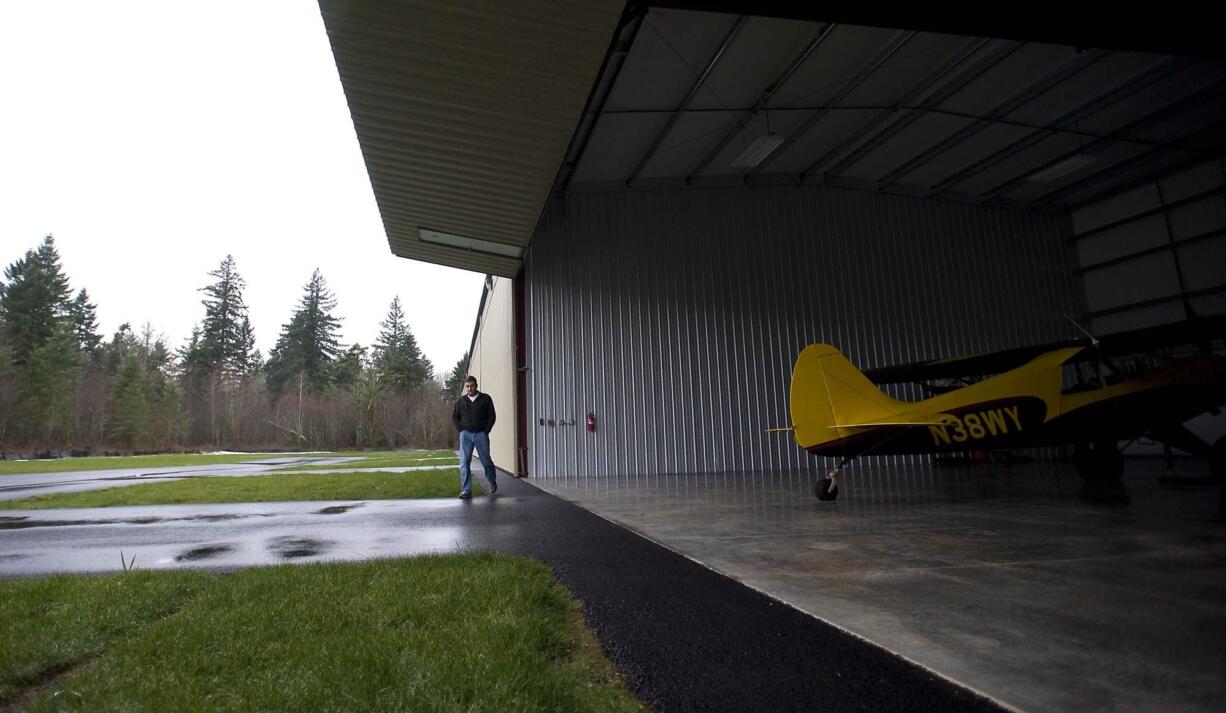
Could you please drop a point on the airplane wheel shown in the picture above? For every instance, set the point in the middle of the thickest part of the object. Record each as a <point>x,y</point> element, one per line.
<point>1111,463</point>
<point>1100,468</point>
<point>824,490</point>
<point>1101,464</point>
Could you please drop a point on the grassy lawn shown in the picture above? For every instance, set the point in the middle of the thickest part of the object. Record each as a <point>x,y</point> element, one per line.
<point>261,488</point>
<point>388,459</point>
<point>64,465</point>
<point>481,632</point>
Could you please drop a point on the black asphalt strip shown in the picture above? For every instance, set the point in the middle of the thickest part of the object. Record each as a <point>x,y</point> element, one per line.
<point>689,639</point>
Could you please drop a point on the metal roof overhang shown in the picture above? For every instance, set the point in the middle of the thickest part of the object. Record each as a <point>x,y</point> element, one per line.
<point>464,111</point>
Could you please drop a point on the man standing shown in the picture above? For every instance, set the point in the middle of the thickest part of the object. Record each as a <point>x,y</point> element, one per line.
<point>473,417</point>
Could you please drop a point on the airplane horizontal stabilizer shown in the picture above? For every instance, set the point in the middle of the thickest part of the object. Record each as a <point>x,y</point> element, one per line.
<point>828,392</point>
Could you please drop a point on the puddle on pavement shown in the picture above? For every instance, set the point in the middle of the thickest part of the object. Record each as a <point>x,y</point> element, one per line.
<point>295,547</point>
<point>20,523</point>
<point>202,553</point>
<point>337,509</point>
<point>220,518</point>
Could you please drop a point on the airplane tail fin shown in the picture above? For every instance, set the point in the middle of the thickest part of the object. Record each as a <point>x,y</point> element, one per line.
<point>829,392</point>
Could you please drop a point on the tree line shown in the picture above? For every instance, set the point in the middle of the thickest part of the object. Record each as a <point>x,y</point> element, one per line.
<point>64,387</point>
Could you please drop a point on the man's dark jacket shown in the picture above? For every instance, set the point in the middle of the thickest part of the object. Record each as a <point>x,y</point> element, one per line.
<point>472,415</point>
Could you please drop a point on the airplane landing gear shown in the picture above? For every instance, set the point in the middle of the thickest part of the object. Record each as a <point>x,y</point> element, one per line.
<point>1100,466</point>
<point>827,487</point>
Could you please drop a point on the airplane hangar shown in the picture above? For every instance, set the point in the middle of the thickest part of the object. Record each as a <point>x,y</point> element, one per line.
<point>672,199</point>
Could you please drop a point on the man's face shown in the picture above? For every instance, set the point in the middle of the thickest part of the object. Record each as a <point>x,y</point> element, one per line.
<point>470,389</point>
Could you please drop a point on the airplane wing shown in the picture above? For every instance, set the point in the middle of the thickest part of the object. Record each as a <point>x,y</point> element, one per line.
<point>882,424</point>
<point>1198,331</point>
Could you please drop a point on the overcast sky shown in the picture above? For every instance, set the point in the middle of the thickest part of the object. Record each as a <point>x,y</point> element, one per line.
<point>153,138</point>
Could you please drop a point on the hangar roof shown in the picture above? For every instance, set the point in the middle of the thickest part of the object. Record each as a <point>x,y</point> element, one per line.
<point>471,116</point>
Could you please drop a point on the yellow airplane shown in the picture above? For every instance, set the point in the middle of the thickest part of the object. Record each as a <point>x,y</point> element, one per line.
<point>1050,398</point>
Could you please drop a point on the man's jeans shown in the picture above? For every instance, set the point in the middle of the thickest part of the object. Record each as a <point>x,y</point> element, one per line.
<point>468,440</point>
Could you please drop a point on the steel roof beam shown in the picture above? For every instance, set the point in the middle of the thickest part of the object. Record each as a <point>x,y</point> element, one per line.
<point>1013,103</point>
<point>856,146</point>
<point>762,100</point>
<point>1129,87</point>
<point>900,39</point>
<point>689,97</point>
<point>1118,136</point>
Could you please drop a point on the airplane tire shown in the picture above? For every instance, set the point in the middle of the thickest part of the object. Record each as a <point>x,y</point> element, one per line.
<point>823,492</point>
<point>1101,464</point>
<point>1111,463</point>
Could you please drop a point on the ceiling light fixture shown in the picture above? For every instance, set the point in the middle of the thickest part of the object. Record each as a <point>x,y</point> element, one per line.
<point>471,244</point>
<point>1062,168</point>
<point>757,151</point>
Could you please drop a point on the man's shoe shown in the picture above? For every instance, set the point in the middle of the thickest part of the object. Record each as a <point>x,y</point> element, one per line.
<point>465,496</point>
<point>493,488</point>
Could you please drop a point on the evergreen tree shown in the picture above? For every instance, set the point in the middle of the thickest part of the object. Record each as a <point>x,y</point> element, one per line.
<point>8,385</point>
<point>309,344</point>
<point>225,343</point>
<point>41,342</point>
<point>49,378</point>
<point>397,358</point>
<point>347,371</point>
<point>251,359</point>
<point>131,393</point>
<point>145,401</point>
<point>34,303</point>
<point>455,380</point>
<point>221,353</point>
<point>85,323</point>
<point>167,422</point>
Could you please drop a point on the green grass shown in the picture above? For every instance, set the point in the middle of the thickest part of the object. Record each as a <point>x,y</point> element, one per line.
<point>64,465</point>
<point>411,454</point>
<point>481,632</point>
<point>52,624</point>
<point>387,459</point>
<point>259,489</point>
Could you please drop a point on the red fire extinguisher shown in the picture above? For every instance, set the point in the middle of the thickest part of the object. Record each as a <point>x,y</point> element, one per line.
<point>591,422</point>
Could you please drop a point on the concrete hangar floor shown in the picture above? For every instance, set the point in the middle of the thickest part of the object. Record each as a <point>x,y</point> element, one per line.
<point>998,577</point>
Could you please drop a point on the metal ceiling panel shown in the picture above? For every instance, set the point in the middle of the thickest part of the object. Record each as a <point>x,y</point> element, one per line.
<point>840,56</point>
<point>671,48</point>
<point>762,50</point>
<point>899,75</point>
<point>835,128</point>
<point>616,145</point>
<point>1113,70</point>
<point>925,131</point>
<point>965,153</point>
<point>464,110</point>
<point>1006,79</point>
<point>690,139</point>
<point>1185,83</point>
<point>782,123</point>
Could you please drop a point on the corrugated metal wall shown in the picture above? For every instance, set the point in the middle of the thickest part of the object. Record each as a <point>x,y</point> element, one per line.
<point>1145,251</point>
<point>674,316</point>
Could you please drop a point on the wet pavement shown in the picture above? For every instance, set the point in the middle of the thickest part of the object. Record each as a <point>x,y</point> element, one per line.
<point>686,637</point>
<point>16,487</point>
<point>1000,576</point>
<point>35,542</point>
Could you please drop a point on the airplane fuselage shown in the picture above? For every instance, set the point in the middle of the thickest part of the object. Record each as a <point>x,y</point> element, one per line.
<point>1026,408</point>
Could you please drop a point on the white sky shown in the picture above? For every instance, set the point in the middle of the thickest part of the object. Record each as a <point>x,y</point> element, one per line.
<point>153,138</point>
